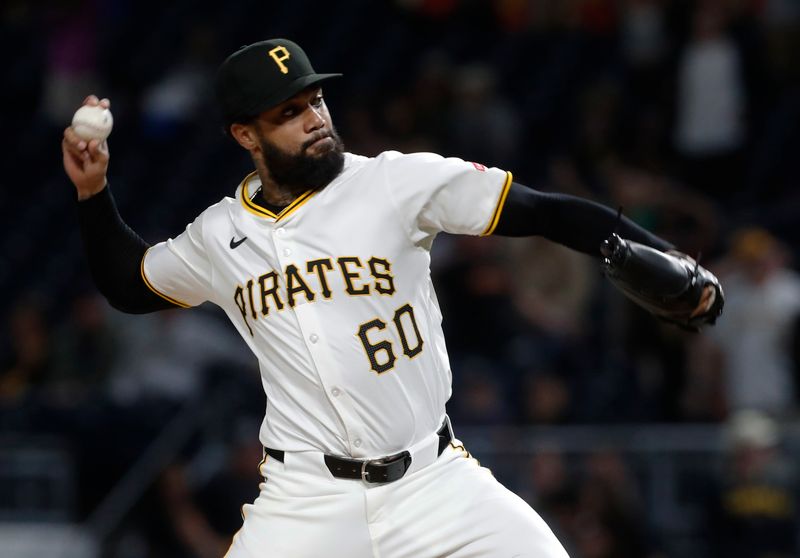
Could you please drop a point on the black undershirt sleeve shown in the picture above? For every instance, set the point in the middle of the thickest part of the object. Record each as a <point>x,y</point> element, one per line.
<point>115,252</point>
<point>575,222</point>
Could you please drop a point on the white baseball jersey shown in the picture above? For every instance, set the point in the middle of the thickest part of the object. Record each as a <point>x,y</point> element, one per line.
<point>334,296</point>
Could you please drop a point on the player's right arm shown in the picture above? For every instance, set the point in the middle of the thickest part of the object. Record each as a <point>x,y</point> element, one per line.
<point>113,249</point>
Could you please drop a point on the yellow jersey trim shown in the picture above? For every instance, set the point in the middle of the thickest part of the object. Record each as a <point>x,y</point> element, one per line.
<point>150,286</point>
<point>500,204</point>
<point>256,209</point>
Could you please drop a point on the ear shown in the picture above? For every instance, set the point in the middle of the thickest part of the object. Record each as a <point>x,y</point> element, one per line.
<point>245,135</point>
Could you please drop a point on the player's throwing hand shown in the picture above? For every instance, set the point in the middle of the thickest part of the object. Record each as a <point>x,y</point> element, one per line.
<point>86,162</point>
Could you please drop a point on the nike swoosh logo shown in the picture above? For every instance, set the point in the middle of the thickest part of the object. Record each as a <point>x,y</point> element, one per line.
<point>236,243</point>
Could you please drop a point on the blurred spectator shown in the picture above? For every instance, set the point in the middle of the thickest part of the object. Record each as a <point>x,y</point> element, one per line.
<point>597,17</point>
<point>432,95</point>
<point>483,126</point>
<point>200,498</point>
<point>513,16</point>
<point>609,521</point>
<point>661,204</point>
<point>166,355</point>
<point>72,47</point>
<point>480,397</point>
<point>359,130</point>
<point>643,34</point>
<point>176,99</point>
<point>755,512</point>
<point>552,491</point>
<point>704,397</point>
<point>551,285</point>
<point>597,126</point>
<point>475,288</point>
<point>710,122</point>
<point>85,348</point>
<point>23,70</point>
<point>30,357</point>
<point>399,119</point>
<point>773,171</point>
<point>781,19</point>
<point>645,47</point>
<point>752,341</point>
<point>545,399</point>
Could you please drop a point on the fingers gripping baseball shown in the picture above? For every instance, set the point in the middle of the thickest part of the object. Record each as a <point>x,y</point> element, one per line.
<point>86,160</point>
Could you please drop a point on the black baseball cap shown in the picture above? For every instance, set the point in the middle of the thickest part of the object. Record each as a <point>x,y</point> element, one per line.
<point>259,76</point>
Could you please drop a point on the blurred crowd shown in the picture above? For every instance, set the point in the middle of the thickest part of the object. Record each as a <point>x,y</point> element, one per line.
<point>686,114</point>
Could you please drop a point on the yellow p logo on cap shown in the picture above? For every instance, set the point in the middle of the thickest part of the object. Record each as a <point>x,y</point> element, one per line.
<point>279,54</point>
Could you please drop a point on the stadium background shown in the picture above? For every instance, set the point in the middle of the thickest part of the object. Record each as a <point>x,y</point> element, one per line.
<point>131,436</point>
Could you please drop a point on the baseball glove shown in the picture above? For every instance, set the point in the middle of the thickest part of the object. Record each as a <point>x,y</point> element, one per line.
<point>670,285</point>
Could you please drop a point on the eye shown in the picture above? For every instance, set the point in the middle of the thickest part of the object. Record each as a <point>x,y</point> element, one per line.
<point>316,102</point>
<point>288,112</point>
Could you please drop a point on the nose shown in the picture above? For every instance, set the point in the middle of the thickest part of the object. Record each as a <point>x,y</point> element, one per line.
<point>314,120</point>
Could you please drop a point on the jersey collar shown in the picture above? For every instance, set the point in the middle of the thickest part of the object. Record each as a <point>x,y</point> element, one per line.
<point>250,186</point>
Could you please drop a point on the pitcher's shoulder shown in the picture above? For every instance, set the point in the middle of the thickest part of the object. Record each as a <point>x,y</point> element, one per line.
<point>400,159</point>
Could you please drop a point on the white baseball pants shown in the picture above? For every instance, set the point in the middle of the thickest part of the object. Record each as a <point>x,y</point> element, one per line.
<point>450,506</point>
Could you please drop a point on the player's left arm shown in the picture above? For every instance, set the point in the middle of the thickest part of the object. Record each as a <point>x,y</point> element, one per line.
<point>577,223</point>
<point>646,268</point>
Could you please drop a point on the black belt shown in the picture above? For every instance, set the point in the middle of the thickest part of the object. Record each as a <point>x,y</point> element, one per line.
<point>385,469</point>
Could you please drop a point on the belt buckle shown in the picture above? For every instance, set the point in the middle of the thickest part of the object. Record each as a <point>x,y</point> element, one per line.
<point>402,459</point>
<point>364,472</point>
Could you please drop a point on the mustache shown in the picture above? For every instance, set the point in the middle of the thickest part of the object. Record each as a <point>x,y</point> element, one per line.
<point>316,137</point>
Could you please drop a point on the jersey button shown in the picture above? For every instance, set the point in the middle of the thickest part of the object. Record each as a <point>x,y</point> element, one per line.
<point>313,337</point>
<point>335,392</point>
<point>287,252</point>
<point>280,232</point>
<point>357,443</point>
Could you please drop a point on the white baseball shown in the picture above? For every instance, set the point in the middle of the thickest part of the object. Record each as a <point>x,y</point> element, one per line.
<point>92,122</point>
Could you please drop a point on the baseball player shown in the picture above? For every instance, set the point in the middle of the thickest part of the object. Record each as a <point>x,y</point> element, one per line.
<point>321,262</point>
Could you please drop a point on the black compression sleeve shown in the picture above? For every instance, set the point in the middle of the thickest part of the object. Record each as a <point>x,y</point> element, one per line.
<point>575,222</point>
<point>115,253</point>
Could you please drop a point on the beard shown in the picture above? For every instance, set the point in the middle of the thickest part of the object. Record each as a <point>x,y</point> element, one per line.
<point>302,171</point>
